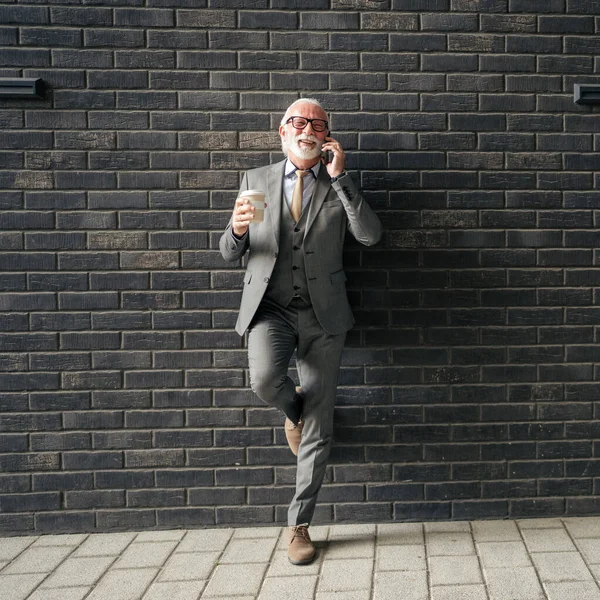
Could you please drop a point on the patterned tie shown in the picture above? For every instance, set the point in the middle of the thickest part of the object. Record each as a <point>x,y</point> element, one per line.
<point>297,194</point>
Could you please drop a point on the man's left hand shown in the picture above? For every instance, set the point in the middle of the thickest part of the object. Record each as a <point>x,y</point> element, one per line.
<point>336,166</point>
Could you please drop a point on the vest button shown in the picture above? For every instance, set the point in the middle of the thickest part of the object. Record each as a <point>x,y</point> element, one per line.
<point>266,280</point>
<point>296,247</point>
<point>274,254</point>
<point>296,230</point>
<point>295,268</point>
<point>296,287</point>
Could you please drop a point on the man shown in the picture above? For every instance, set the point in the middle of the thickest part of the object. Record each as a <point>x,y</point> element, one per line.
<point>294,294</point>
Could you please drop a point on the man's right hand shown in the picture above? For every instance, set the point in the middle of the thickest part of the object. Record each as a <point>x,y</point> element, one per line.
<point>243,213</point>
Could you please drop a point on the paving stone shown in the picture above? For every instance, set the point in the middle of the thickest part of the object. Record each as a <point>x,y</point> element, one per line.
<point>61,540</point>
<point>105,544</point>
<point>336,531</point>
<point>280,566</point>
<point>301,587</point>
<point>408,585</point>
<point>123,584</point>
<point>341,575</point>
<point>517,583</point>
<point>449,544</point>
<point>548,540</point>
<point>459,592</point>
<point>160,536</point>
<point>78,572</point>
<point>496,531</point>
<point>189,566</point>
<point>572,590</point>
<point>539,524</point>
<point>66,593</point>
<point>588,527</point>
<point>400,534</point>
<point>253,597</point>
<point>496,555</point>
<point>452,570</point>
<point>448,527</point>
<point>211,563</point>
<point>350,547</point>
<point>147,554</point>
<point>258,532</point>
<point>229,580</point>
<point>18,587</point>
<point>38,560</point>
<point>561,566</point>
<point>590,548</point>
<point>207,540</point>
<point>11,547</point>
<point>401,558</point>
<point>175,590</point>
<point>249,551</point>
<point>355,595</point>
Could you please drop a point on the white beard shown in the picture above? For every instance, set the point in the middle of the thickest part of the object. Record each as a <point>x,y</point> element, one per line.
<point>304,153</point>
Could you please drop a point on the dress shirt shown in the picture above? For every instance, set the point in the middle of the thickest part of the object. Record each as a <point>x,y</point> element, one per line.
<point>289,182</point>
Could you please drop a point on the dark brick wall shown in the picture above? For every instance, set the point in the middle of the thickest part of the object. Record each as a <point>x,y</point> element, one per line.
<point>470,386</point>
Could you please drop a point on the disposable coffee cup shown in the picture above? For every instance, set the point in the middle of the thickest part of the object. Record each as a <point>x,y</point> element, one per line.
<point>257,199</point>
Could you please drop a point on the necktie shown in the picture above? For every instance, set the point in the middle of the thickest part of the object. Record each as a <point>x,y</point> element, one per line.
<point>296,208</point>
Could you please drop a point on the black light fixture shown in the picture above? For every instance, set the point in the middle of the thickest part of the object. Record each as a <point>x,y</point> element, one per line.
<point>587,93</point>
<point>20,87</point>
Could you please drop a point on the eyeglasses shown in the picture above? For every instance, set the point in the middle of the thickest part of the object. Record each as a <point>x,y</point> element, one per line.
<point>301,122</point>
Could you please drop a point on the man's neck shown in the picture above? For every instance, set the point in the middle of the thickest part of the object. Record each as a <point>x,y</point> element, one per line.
<point>301,163</point>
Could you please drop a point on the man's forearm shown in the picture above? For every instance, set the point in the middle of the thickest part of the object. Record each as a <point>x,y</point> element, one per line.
<point>233,248</point>
<point>363,223</point>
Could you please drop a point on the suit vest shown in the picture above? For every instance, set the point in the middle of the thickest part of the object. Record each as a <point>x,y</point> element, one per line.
<point>288,279</point>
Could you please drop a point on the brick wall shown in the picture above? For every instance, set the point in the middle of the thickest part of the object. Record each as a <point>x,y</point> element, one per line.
<point>469,387</point>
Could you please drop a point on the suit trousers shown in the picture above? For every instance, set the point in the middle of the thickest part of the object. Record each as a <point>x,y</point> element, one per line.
<point>274,334</point>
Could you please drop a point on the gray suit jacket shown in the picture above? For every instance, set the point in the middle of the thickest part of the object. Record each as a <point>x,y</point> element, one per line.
<point>334,208</point>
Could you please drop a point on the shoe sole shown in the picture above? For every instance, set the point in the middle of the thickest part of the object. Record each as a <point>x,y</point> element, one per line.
<point>306,561</point>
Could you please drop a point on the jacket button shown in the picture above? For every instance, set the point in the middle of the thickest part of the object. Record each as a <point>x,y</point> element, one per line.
<point>266,280</point>
<point>296,247</point>
<point>295,268</point>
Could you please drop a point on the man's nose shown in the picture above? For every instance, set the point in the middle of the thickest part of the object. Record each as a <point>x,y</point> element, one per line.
<point>308,124</point>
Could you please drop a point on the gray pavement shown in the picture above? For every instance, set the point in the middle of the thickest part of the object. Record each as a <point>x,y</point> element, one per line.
<point>553,559</point>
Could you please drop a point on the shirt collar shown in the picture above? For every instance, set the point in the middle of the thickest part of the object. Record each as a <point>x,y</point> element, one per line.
<point>291,168</point>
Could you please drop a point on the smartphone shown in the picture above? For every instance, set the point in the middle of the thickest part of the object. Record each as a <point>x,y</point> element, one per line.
<point>326,156</point>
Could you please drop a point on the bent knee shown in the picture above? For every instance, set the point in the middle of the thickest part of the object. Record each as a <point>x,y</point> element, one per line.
<point>266,386</point>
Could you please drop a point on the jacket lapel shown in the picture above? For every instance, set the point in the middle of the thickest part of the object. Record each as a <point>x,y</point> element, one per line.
<point>322,187</point>
<point>275,197</point>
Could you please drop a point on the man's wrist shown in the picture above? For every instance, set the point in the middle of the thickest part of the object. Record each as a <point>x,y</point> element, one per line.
<point>334,179</point>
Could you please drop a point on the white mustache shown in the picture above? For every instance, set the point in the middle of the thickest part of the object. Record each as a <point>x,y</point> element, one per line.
<point>307,137</point>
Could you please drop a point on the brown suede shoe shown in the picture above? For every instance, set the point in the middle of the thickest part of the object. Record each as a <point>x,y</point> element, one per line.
<point>293,434</point>
<point>301,550</point>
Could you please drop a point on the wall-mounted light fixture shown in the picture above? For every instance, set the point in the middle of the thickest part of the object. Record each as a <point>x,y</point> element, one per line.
<point>20,87</point>
<point>587,93</point>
